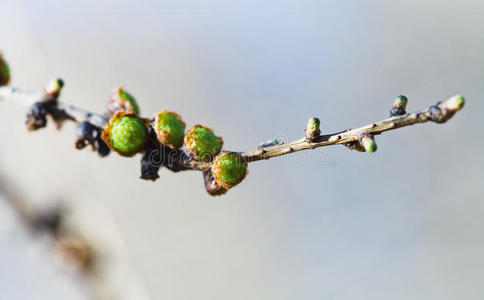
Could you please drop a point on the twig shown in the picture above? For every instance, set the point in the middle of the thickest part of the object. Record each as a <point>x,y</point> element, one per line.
<point>77,254</point>
<point>28,98</point>
<point>444,110</point>
<point>156,154</point>
<point>345,137</point>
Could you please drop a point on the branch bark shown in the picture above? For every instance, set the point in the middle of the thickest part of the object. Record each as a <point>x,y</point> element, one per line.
<point>28,98</point>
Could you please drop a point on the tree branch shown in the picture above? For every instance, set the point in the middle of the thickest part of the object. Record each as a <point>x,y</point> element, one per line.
<point>439,113</point>
<point>28,98</point>
<point>156,154</point>
<point>77,253</point>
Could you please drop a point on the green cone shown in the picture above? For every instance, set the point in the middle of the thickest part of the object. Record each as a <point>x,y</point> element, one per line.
<point>169,128</point>
<point>202,143</point>
<point>229,169</point>
<point>126,134</point>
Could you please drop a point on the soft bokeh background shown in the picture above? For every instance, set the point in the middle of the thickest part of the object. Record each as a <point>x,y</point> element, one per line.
<point>404,223</point>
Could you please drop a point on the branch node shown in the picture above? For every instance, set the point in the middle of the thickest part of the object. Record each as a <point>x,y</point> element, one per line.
<point>151,160</point>
<point>355,145</point>
<point>48,106</point>
<point>36,116</point>
<point>88,134</point>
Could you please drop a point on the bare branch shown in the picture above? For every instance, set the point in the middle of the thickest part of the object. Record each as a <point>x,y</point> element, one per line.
<point>84,260</point>
<point>439,113</point>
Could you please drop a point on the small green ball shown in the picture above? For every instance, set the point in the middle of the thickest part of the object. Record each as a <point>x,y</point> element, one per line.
<point>369,144</point>
<point>126,134</point>
<point>371,147</point>
<point>169,128</point>
<point>313,124</point>
<point>229,169</point>
<point>4,71</point>
<point>400,102</point>
<point>202,143</point>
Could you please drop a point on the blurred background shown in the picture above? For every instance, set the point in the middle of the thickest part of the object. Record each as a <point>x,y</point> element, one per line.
<point>404,223</point>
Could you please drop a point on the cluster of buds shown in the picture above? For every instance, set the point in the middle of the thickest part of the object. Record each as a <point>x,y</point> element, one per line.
<point>87,133</point>
<point>128,134</point>
<point>161,138</point>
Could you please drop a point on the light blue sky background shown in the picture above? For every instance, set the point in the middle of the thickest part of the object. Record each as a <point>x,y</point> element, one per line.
<point>404,223</point>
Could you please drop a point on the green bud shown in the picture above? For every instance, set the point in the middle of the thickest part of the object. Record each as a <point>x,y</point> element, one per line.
<point>122,101</point>
<point>313,125</point>
<point>368,142</point>
<point>4,71</point>
<point>126,134</point>
<point>312,129</point>
<point>400,102</point>
<point>169,128</point>
<point>229,169</point>
<point>399,106</point>
<point>202,143</point>
<point>54,86</point>
<point>455,103</point>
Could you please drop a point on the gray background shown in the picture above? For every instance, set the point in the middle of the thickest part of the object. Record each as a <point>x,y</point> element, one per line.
<point>404,223</point>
